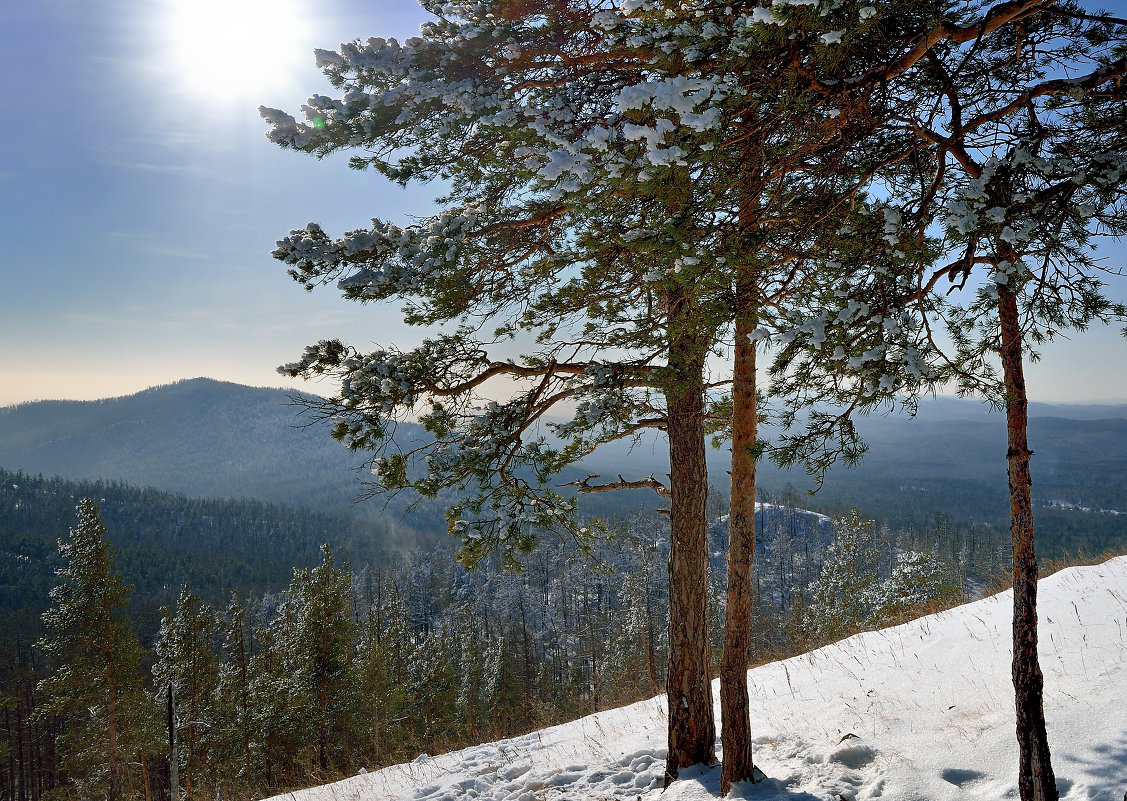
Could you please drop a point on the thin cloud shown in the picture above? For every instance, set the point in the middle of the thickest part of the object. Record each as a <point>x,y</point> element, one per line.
<point>174,253</point>
<point>187,169</point>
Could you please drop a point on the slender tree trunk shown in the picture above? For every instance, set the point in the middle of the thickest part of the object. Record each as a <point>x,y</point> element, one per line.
<point>111,693</point>
<point>529,668</point>
<point>593,651</point>
<point>21,782</point>
<point>651,656</point>
<point>244,709</point>
<point>323,703</point>
<point>692,726</point>
<point>1036,781</point>
<point>734,707</point>
<point>173,755</point>
<point>189,790</point>
<point>145,775</point>
<point>11,773</point>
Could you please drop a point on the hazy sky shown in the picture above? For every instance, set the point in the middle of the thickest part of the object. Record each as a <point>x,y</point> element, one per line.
<point>139,199</point>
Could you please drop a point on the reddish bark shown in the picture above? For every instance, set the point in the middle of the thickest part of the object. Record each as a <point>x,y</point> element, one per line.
<point>734,706</point>
<point>1036,781</point>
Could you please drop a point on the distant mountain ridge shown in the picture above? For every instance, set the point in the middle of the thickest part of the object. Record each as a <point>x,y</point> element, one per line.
<point>199,436</point>
<point>208,438</point>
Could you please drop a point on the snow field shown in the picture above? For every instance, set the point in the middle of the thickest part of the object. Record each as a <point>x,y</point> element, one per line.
<point>918,712</point>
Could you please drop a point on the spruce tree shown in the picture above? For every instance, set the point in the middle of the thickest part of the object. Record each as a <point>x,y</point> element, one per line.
<point>109,724</point>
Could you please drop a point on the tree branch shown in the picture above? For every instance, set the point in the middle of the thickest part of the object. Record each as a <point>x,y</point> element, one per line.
<point>649,482</point>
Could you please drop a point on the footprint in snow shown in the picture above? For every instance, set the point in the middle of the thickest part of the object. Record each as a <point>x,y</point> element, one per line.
<point>960,777</point>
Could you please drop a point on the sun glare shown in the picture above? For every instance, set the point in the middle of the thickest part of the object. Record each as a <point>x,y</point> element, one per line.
<point>235,49</point>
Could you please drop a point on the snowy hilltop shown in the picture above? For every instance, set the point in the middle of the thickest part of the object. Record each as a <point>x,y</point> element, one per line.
<point>919,711</point>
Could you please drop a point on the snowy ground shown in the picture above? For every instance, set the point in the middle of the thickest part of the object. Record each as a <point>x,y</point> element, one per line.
<point>920,712</point>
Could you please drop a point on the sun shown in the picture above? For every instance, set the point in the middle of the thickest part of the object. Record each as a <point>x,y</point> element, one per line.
<point>234,49</point>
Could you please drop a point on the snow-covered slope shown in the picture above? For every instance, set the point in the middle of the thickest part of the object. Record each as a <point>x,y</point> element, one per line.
<point>919,712</point>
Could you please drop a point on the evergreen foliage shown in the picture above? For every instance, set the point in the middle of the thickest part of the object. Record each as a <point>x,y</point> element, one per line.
<point>1025,167</point>
<point>919,581</point>
<point>317,652</point>
<point>600,205</point>
<point>841,598</point>
<point>857,589</point>
<point>108,723</point>
<point>425,655</point>
<point>234,734</point>
<point>186,660</point>
<point>161,542</point>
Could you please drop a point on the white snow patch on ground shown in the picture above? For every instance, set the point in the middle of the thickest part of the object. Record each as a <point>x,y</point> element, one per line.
<point>919,712</point>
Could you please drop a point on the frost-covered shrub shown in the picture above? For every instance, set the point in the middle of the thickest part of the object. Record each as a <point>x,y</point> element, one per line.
<point>850,594</point>
<point>919,580</point>
<point>840,599</point>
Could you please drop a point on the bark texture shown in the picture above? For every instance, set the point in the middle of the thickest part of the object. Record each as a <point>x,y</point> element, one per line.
<point>734,707</point>
<point>1036,781</point>
<point>692,725</point>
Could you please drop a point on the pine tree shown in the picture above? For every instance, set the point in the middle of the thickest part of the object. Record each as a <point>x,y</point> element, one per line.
<point>841,599</point>
<point>317,638</point>
<point>626,350</point>
<point>432,690</point>
<point>597,205</point>
<point>1008,120</point>
<point>1025,168</point>
<point>109,722</point>
<point>384,665</point>
<point>187,661</point>
<point>918,581</point>
<point>629,187</point>
<point>280,707</point>
<point>236,738</point>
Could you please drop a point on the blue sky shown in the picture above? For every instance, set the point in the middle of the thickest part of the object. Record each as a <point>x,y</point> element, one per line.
<point>139,199</point>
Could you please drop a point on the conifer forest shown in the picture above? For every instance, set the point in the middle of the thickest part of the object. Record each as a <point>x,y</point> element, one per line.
<point>357,665</point>
<point>655,223</point>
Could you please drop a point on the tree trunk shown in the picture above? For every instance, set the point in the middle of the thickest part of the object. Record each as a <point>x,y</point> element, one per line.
<point>1035,771</point>
<point>692,727</point>
<point>323,702</point>
<point>244,704</point>
<point>21,782</point>
<point>173,756</point>
<point>145,775</point>
<point>111,687</point>
<point>734,707</point>
<point>651,656</point>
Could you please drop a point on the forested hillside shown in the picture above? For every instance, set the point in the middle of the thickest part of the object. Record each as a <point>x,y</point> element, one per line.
<point>162,541</point>
<point>200,437</point>
<point>919,711</point>
<point>957,467</point>
<point>209,438</point>
<point>443,656</point>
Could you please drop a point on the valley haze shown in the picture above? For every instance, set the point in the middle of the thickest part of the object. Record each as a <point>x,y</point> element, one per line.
<point>210,438</point>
